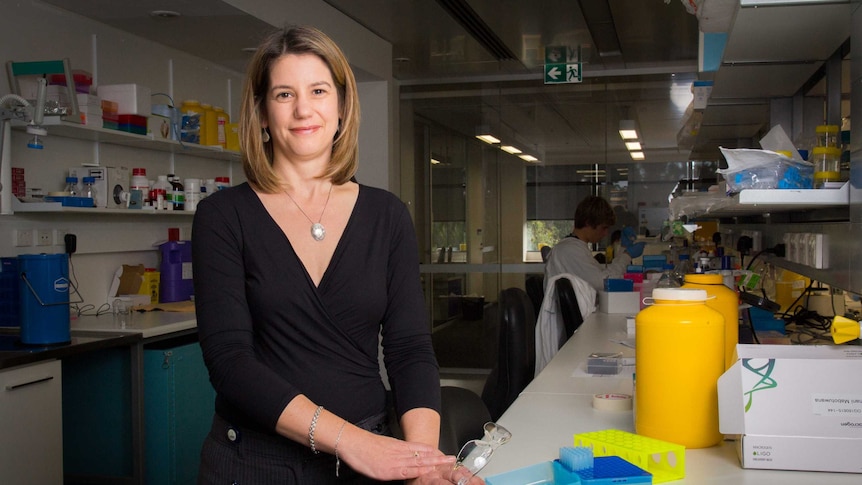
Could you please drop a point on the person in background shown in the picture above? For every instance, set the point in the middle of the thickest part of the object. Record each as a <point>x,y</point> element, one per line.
<point>593,217</point>
<point>297,273</point>
<point>613,246</point>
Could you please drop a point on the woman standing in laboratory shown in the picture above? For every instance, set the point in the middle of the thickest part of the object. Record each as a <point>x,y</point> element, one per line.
<point>297,272</point>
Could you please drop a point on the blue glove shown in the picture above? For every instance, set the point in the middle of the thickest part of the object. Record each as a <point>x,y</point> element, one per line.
<point>629,236</point>
<point>636,249</point>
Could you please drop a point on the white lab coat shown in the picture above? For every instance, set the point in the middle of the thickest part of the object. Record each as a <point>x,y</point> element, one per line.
<point>550,329</point>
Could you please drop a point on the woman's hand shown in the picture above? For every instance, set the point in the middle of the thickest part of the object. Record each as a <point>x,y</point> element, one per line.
<point>385,458</point>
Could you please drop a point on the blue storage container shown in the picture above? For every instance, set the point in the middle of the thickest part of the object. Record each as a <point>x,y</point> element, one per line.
<point>9,314</point>
<point>175,283</point>
<point>44,299</point>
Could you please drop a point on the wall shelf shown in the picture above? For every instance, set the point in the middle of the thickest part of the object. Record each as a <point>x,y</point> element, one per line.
<point>34,207</point>
<point>759,201</point>
<point>57,127</point>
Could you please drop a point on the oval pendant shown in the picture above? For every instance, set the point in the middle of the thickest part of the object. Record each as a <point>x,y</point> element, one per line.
<point>318,232</point>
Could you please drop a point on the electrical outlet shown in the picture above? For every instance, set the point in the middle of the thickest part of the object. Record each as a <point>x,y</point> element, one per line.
<point>23,237</point>
<point>44,237</point>
<point>59,236</point>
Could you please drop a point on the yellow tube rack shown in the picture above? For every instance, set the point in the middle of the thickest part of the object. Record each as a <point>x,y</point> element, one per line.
<point>666,461</point>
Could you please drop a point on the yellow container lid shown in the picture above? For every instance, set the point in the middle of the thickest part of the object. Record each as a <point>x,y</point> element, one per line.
<point>826,129</point>
<point>833,151</point>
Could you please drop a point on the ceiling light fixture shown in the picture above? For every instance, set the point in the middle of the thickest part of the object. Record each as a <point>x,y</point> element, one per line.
<point>628,130</point>
<point>164,14</point>
<point>633,146</point>
<point>528,158</point>
<point>637,155</point>
<point>488,138</point>
<point>510,149</point>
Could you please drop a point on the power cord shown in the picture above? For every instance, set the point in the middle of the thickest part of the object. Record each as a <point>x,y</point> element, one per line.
<point>778,250</point>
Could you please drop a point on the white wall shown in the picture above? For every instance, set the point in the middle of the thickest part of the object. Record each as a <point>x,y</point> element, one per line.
<point>35,31</point>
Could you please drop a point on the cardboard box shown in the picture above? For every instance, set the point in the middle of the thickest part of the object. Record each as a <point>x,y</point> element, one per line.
<point>796,407</point>
<point>625,302</point>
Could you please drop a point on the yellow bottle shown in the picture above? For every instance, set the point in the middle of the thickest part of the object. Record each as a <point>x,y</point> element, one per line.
<point>209,126</point>
<point>192,118</point>
<point>725,301</point>
<point>232,136</point>
<point>827,165</point>
<point>222,121</point>
<point>679,348</point>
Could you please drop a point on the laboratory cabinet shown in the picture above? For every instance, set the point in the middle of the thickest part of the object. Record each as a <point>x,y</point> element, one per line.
<point>31,421</point>
<point>178,405</point>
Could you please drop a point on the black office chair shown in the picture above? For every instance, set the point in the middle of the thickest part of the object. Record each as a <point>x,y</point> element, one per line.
<point>516,352</point>
<point>463,415</point>
<point>535,285</point>
<point>546,251</point>
<point>569,308</point>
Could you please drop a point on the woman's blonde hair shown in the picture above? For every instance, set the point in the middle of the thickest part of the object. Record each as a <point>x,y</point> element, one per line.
<point>257,155</point>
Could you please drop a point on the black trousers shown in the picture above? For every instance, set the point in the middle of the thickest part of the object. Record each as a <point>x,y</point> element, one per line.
<point>232,455</point>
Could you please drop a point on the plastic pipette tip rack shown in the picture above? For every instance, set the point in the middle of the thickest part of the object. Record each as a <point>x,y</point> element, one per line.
<point>664,460</point>
<point>604,470</point>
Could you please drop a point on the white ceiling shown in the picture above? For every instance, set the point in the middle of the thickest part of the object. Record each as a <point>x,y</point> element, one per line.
<point>640,56</point>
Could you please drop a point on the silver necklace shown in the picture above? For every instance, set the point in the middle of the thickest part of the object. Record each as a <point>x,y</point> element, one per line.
<point>318,232</point>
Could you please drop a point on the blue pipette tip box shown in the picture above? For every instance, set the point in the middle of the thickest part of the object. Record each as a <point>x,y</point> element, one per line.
<point>608,470</point>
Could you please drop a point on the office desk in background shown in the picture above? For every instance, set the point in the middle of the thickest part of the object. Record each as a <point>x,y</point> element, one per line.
<point>558,404</point>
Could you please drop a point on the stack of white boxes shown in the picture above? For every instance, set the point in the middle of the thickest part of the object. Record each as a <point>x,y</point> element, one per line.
<point>90,107</point>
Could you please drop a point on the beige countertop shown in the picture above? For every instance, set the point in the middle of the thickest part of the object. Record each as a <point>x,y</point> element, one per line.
<point>148,324</point>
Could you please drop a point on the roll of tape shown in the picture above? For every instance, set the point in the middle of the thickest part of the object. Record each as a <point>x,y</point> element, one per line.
<point>612,402</point>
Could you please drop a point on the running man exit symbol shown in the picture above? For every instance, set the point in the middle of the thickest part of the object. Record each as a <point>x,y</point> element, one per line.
<point>562,65</point>
<point>563,73</point>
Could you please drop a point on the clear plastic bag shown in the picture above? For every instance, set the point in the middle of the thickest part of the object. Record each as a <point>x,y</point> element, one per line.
<point>764,169</point>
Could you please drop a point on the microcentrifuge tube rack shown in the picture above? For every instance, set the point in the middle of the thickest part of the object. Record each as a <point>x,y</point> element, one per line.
<point>666,461</point>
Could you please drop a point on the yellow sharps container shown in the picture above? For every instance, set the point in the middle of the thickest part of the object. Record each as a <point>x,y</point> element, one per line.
<point>679,356</point>
<point>726,301</point>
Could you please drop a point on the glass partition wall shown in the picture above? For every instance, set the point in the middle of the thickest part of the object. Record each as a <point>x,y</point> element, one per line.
<point>482,214</point>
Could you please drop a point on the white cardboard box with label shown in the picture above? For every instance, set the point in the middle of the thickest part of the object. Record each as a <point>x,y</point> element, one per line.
<point>795,407</point>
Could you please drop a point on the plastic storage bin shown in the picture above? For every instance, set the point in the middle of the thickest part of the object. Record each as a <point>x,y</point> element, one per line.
<point>9,314</point>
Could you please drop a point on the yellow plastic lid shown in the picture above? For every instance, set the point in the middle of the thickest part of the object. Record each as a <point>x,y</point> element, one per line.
<point>826,129</point>
<point>835,152</point>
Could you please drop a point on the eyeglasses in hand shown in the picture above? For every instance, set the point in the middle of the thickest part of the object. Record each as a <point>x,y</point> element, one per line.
<point>474,455</point>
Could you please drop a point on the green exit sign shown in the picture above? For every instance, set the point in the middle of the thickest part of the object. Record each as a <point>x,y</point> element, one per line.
<point>562,64</point>
<point>563,73</point>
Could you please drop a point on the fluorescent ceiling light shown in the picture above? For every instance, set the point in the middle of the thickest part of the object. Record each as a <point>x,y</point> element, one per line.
<point>528,158</point>
<point>510,149</point>
<point>489,139</point>
<point>633,146</point>
<point>434,161</point>
<point>628,130</point>
<point>637,155</point>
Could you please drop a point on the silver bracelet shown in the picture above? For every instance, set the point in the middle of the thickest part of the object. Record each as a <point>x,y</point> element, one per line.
<point>337,459</point>
<point>311,429</point>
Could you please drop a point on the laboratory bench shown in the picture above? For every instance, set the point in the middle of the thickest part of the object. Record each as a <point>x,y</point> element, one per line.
<point>557,404</point>
<point>13,353</point>
<point>136,397</point>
